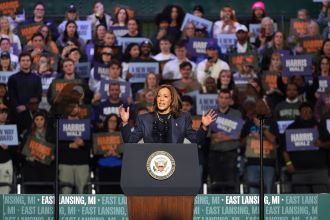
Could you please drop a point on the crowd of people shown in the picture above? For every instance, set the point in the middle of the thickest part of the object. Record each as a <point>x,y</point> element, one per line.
<point>45,83</point>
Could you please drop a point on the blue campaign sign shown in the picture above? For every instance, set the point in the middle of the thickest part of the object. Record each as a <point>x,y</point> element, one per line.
<point>101,71</point>
<point>229,125</point>
<point>83,69</point>
<point>89,50</point>
<point>225,40</point>
<point>124,41</point>
<point>4,76</point>
<point>297,65</point>
<point>8,135</point>
<point>199,22</point>
<point>282,125</point>
<point>84,29</point>
<point>139,70</point>
<point>197,46</point>
<point>301,139</point>
<point>71,129</point>
<point>205,102</point>
<point>124,89</point>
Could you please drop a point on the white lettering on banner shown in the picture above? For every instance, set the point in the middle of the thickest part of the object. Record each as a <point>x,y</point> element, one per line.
<point>296,65</point>
<point>110,110</point>
<point>226,124</point>
<point>302,139</point>
<point>200,46</point>
<point>73,129</point>
<point>103,72</point>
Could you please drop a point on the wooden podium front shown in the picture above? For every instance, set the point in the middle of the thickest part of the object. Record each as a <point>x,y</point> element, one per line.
<point>160,207</point>
<point>149,198</point>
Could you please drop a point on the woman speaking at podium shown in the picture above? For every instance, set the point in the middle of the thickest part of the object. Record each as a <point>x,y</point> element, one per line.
<point>167,124</point>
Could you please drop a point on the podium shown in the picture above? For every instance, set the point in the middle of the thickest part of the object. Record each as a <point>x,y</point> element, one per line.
<point>160,180</point>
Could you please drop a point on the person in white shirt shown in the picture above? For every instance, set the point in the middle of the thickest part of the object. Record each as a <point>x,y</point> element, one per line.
<point>212,65</point>
<point>227,23</point>
<point>171,69</point>
<point>5,47</point>
<point>165,50</point>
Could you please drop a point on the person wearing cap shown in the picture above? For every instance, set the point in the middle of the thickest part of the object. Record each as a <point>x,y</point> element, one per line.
<point>171,69</point>
<point>6,163</point>
<point>71,14</point>
<point>198,11</point>
<point>212,65</point>
<point>23,85</point>
<point>5,47</point>
<point>243,44</point>
<point>145,55</point>
<point>132,28</point>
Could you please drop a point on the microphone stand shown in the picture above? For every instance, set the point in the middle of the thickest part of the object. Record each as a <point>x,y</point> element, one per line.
<point>57,190</point>
<point>261,192</point>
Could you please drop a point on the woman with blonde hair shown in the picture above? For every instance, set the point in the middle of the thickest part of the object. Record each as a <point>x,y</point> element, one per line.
<point>7,32</point>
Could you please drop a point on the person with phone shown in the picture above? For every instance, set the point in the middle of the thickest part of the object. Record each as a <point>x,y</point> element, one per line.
<point>212,65</point>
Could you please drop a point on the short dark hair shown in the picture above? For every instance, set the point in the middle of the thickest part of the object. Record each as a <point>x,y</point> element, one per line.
<point>180,44</point>
<point>305,105</point>
<point>187,98</point>
<point>185,64</point>
<point>114,62</point>
<point>4,38</point>
<point>37,34</point>
<point>226,91</point>
<point>24,54</point>
<point>66,60</point>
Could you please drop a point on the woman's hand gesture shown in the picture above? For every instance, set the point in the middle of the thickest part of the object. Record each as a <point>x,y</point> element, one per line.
<point>208,118</point>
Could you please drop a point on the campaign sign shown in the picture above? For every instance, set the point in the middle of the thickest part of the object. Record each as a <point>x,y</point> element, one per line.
<point>124,41</point>
<point>225,40</point>
<point>8,135</point>
<point>39,149</point>
<point>253,148</point>
<point>46,80</point>
<point>236,61</point>
<point>298,27</point>
<point>124,89</point>
<point>83,69</point>
<point>254,30</point>
<point>139,70</point>
<point>105,142</point>
<point>84,29</point>
<point>283,52</point>
<point>89,50</point>
<point>199,22</point>
<point>71,129</point>
<point>301,139</point>
<point>119,31</point>
<point>9,7</point>
<point>205,102</point>
<point>4,76</point>
<point>324,83</point>
<point>25,31</point>
<point>101,71</point>
<point>297,65</point>
<point>229,125</point>
<point>282,125</point>
<point>311,44</point>
<point>197,46</point>
<point>58,84</point>
<point>269,80</point>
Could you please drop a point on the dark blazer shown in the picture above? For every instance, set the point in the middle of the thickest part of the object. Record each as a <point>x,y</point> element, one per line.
<point>180,129</point>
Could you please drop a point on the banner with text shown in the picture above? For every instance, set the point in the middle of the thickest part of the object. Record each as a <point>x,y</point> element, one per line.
<point>9,7</point>
<point>225,41</point>
<point>84,29</point>
<point>197,46</point>
<point>253,148</point>
<point>8,135</point>
<point>25,31</point>
<point>311,44</point>
<point>39,150</point>
<point>71,129</point>
<point>200,23</point>
<point>119,31</point>
<point>105,142</point>
<point>238,59</point>
<point>298,27</point>
<point>301,139</point>
<point>229,125</point>
<point>139,70</point>
<point>297,65</point>
<point>124,41</point>
<point>205,102</point>
<point>4,76</point>
<point>83,69</point>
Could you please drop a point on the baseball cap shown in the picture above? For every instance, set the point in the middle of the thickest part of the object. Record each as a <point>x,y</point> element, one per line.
<point>212,45</point>
<point>147,42</point>
<point>71,8</point>
<point>5,55</point>
<point>242,28</point>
